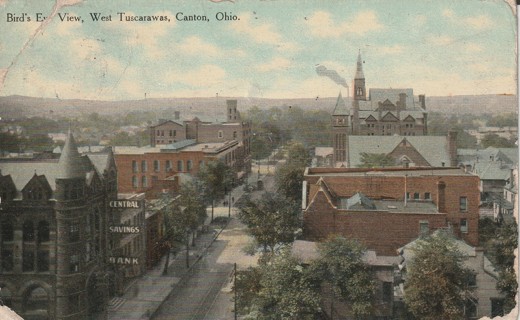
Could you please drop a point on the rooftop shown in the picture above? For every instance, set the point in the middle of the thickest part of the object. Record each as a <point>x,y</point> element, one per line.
<point>400,172</point>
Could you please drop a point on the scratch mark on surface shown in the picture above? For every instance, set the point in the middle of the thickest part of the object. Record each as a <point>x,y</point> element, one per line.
<point>57,6</point>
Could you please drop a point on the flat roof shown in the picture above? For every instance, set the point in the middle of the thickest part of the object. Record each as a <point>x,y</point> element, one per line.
<point>409,172</point>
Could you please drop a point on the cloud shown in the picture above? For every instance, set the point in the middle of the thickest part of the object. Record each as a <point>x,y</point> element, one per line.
<point>195,46</point>
<point>331,74</point>
<point>476,22</point>
<point>395,49</point>
<point>441,40</point>
<point>323,26</point>
<point>205,75</point>
<point>273,65</point>
<point>473,47</point>
<point>262,33</point>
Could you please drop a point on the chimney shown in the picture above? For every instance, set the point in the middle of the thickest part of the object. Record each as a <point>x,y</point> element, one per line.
<point>452,147</point>
<point>422,101</point>
<point>402,101</point>
<point>441,197</point>
<point>177,115</point>
<point>232,114</point>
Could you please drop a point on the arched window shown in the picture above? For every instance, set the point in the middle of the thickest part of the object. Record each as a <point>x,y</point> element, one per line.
<point>7,231</point>
<point>144,182</point>
<point>135,182</point>
<point>36,301</point>
<point>180,165</point>
<point>28,231</point>
<point>43,231</point>
<point>189,165</point>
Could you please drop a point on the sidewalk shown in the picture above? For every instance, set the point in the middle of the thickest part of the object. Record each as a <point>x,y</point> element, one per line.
<point>145,295</point>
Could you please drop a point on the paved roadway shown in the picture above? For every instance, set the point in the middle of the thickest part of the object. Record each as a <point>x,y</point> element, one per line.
<point>207,294</point>
<point>196,298</point>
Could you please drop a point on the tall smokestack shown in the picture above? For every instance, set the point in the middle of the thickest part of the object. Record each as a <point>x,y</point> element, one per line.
<point>402,101</point>
<point>452,147</point>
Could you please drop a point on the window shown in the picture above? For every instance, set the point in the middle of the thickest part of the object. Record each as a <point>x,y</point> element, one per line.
<point>427,196</point>
<point>7,231</point>
<point>28,261</point>
<point>472,280</point>
<point>135,183</point>
<point>220,134</point>
<point>144,166</point>
<point>416,196</point>
<point>388,291</point>
<point>168,165</point>
<point>156,166</point>
<point>174,133</point>
<point>171,133</point>
<point>74,232</point>
<point>43,261</point>
<point>135,168</point>
<point>424,227</point>
<point>463,201</point>
<point>43,231</point>
<point>180,165</point>
<point>189,165</point>
<point>144,182</point>
<point>408,195</point>
<point>464,225</point>
<point>28,231</point>
<point>74,263</point>
<point>7,260</point>
<point>234,134</point>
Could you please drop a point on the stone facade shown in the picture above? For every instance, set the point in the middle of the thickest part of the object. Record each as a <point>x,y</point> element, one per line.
<point>54,244</point>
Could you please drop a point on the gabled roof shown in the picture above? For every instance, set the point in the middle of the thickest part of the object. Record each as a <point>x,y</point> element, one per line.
<point>389,116</point>
<point>492,170</point>
<point>168,121</point>
<point>341,108</point>
<point>379,95</point>
<point>360,201</point>
<point>433,148</point>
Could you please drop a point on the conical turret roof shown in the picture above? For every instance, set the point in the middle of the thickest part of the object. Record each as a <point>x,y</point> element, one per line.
<point>70,163</point>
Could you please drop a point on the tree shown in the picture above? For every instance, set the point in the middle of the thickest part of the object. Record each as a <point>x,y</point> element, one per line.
<point>216,179</point>
<point>503,252</point>
<point>289,176</point>
<point>271,220</point>
<point>186,213</point>
<point>288,289</point>
<point>341,265</point>
<point>494,140</point>
<point>376,160</point>
<point>437,281</point>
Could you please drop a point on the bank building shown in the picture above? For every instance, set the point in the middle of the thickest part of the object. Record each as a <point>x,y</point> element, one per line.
<point>54,237</point>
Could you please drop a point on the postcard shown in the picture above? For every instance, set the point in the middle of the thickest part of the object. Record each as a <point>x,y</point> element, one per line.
<point>259,159</point>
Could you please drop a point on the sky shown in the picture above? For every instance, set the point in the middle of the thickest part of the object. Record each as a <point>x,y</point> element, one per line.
<point>275,48</point>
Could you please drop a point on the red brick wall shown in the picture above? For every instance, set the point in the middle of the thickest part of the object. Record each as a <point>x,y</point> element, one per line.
<point>180,133</point>
<point>373,224</point>
<point>125,171</point>
<point>383,232</point>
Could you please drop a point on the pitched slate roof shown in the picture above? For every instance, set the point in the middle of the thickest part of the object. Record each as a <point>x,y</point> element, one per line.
<point>341,108</point>
<point>379,95</point>
<point>492,170</point>
<point>70,163</point>
<point>434,149</point>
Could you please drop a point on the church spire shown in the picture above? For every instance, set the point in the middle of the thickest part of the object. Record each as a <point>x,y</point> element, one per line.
<point>70,163</point>
<point>359,67</point>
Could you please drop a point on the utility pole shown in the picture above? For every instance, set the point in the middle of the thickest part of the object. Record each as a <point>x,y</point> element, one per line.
<point>235,289</point>
<point>187,248</point>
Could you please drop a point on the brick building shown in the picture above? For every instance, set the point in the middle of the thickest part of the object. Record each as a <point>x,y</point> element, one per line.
<point>142,168</point>
<point>54,217</point>
<point>385,112</point>
<point>387,208</point>
<point>181,147</point>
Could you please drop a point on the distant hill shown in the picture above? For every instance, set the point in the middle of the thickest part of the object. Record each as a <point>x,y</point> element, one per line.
<point>16,106</point>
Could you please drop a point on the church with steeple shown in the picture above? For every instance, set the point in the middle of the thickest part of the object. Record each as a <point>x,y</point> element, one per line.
<point>54,216</point>
<point>381,112</point>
